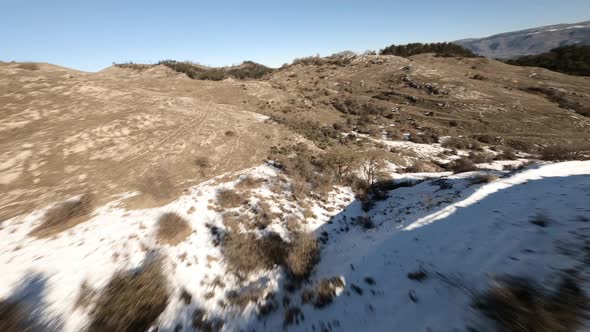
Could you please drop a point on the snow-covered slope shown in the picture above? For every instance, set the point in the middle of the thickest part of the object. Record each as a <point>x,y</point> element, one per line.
<point>461,234</point>
<point>531,41</point>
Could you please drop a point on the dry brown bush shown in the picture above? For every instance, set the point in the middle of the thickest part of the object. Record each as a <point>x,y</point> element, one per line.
<point>246,295</point>
<point>508,154</point>
<point>309,61</point>
<point>263,216</point>
<point>249,182</point>
<point>246,253</point>
<point>341,161</point>
<point>480,158</point>
<point>131,301</point>
<point>14,318</point>
<point>303,255</point>
<point>202,162</point>
<point>563,152</point>
<point>293,315</point>
<point>461,143</point>
<point>172,229</point>
<point>202,321</point>
<point>228,198</point>
<point>28,66</point>
<point>483,178</point>
<point>463,165</point>
<point>425,138</point>
<point>323,292</point>
<point>309,174</point>
<point>519,304</point>
<point>65,216</point>
<point>231,221</point>
<point>421,166</point>
<point>85,297</point>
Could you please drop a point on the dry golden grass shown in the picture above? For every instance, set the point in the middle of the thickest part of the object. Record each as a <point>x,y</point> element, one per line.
<point>228,198</point>
<point>157,184</point>
<point>231,221</point>
<point>131,301</point>
<point>303,255</point>
<point>172,229</point>
<point>65,216</point>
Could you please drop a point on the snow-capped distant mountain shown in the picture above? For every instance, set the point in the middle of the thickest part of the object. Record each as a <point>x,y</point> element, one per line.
<point>531,41</point>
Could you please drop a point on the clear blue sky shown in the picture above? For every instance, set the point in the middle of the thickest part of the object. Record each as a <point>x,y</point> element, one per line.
<point>90,35</point>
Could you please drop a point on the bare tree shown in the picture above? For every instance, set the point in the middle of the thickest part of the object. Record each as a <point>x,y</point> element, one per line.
<point>370,166</point>
<point>340,160</point>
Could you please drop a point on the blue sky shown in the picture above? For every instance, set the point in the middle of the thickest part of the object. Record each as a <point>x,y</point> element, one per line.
<point>90,35</point>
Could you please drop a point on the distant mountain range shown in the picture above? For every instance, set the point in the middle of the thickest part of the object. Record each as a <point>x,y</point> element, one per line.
<point>528,42</point>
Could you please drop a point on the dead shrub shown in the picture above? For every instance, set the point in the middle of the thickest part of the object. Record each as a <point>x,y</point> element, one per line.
<point>302,256</point>
<point>14,318</point>
<point>263,215</point>
<point>309,61</point>
<point>323,292</point>
<point>366,222</point>
<point>508,154</point>
<point>293,225</point>
<point>521,145</point>
<point>246,253</point>
<point>172,229</point>
<point>420,166</point>
<point>65,216</point>
<point>134,66</point>
<point>85,296</point>
<point>202,321</point>
<point>541,219</point>
<point>483,178</point>
<point>461,143</point>
<point>518,304</point>
<point>563,152</point>
<point>481,158</point>
<point>463,165</point>
<point>132,300</point>
<point>202,162</point>
<point>249,182</point>
<point>231,221</point>
<point>28,66</point>
<point>418,275</point>
<point>340,160</point>
<point>245,296</point>
<point>424,138</point>
<point>309,174</point>
<point>293,315</point>
<point>228,198</point>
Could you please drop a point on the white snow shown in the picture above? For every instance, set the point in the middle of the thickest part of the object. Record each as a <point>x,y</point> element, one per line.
<point>461,236</point>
